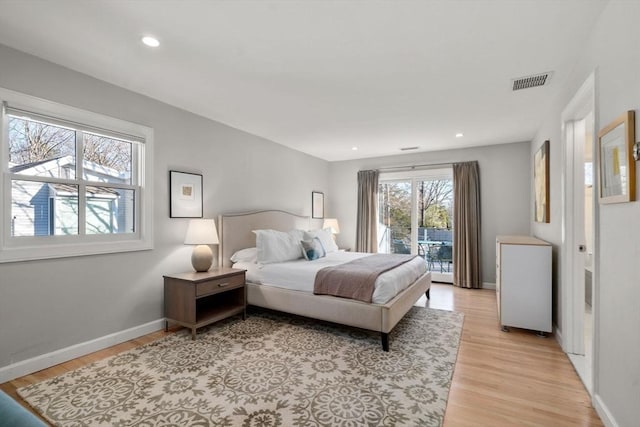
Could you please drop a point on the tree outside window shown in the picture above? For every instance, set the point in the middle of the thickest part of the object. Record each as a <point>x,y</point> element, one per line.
<point>434,211</point>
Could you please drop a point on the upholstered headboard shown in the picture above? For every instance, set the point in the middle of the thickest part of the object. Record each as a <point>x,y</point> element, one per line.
<point>236,230</point>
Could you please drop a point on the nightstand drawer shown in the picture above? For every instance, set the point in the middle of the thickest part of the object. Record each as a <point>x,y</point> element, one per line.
<point>219,285</point>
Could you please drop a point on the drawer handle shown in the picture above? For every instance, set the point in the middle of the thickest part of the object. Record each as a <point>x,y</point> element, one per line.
<point>222,285</point>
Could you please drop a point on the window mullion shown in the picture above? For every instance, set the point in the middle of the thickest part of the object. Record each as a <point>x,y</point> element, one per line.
<point>46,179</point>
<point>137,180</point>
<point>82,193</point>
<point>111,185</point>
<point>4,139</point>
<point>6,227</point>
<point>414,216</point>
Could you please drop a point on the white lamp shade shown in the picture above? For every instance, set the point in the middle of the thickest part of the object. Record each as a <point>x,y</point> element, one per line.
<point>202,232</point>
<point>332,223</point>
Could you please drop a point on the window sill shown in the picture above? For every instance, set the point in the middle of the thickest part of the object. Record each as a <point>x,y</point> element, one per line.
<point>22,253</point>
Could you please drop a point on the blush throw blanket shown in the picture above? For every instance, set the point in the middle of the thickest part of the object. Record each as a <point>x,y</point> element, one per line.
<point>356,279</point>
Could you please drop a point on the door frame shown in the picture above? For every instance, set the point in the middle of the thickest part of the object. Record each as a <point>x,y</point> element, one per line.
<point>572,295</point>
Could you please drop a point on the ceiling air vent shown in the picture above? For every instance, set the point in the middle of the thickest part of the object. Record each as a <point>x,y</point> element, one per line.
<point>408,148</point>
<point>531,81</point>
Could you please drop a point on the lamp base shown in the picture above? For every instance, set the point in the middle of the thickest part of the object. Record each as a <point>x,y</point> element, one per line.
<point>202,258</point>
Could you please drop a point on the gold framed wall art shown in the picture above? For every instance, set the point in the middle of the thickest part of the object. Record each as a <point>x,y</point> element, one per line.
<point>616,169</point>
<point>541,183</point>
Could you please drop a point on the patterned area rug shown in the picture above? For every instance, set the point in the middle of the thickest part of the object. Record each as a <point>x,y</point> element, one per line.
<point>270,370</point>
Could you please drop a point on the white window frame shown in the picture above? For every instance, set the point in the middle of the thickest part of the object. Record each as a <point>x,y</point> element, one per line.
<point>13,249</point>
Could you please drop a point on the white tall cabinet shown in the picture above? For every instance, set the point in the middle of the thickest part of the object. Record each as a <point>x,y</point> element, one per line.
<point>523,283</point>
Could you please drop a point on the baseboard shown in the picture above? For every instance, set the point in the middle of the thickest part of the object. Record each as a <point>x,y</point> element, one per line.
<point>28,366</point>
<point>557,333</point>
<point>603,412</point>
<point>488,285</point>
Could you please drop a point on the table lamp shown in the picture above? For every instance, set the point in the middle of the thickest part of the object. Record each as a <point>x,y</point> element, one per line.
<point>201,232</point>
<point>332,223</point>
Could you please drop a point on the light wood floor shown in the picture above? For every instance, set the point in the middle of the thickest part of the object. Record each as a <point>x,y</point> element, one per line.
<point>508,378</point>
<point>500,379</point>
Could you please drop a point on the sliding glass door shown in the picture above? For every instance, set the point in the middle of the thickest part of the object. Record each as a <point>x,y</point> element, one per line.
<point>394,214</point>
<point>415,211</point>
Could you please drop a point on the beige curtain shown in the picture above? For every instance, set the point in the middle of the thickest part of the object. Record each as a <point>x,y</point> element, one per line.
<point>367,226</point>
<point>466,219</point>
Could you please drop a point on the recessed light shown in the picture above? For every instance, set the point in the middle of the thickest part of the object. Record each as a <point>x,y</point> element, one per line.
<point>354,148</point>
<point>150,41</point>
<point>459,135</point>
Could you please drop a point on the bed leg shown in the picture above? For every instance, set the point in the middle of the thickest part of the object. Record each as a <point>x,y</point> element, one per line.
<point>427,293</point>
<point>385,341</point>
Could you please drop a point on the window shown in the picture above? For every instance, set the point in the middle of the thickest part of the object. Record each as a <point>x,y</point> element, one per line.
<point>415,211</point>
<point>74,182</point>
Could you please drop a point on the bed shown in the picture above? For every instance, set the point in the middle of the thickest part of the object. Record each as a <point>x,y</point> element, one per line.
<point>236,233</point>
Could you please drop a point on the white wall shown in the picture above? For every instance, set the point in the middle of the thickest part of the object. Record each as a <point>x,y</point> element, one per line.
<point>53,304</point>
<point>552,231</point>
<point>505,180</point>
<point>612,52</point>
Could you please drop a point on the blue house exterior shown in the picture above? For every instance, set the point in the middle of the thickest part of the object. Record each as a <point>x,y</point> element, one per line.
<point>46,208</point>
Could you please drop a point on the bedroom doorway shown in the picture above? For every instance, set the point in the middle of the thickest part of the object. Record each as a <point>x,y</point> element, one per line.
<point>415,211</point>
<point>579,299</point>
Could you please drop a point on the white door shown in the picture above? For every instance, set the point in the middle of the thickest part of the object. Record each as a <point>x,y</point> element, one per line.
<point>578,232</point>
<point>576,241</point>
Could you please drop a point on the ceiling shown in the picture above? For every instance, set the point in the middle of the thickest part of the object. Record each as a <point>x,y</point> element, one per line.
<point>323,77</point>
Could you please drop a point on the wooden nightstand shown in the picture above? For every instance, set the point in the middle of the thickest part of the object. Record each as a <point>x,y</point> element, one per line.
<point>195,299</point>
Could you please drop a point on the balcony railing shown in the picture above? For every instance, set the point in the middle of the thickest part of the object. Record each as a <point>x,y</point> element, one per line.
<point>435,245</point>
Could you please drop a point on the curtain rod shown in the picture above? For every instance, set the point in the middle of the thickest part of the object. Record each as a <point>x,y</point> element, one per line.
<point>414,167</point>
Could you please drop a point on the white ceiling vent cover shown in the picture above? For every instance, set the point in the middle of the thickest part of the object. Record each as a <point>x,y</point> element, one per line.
<point>534,80</point>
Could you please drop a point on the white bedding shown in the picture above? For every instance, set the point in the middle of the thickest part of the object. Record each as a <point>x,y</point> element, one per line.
<point>300,274</point>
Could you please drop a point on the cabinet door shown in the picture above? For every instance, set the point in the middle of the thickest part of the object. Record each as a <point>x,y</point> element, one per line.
<point>525,290</point>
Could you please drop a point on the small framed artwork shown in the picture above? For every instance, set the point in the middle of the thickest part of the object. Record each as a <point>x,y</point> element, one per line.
<point>617,172</point>
<point>541,183</point>
<point>317,204</point>
<point>185,197</point>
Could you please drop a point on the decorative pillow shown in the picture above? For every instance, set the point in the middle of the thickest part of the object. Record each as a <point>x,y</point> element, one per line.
<point>312,249</point>
<point>277,246</point>
<point>326,238</point>
<point>245,255</point>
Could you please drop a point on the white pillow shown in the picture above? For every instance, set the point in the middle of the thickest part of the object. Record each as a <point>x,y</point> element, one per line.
<point>325,237</point>
<point>245,255</point>
<point>277,246</point>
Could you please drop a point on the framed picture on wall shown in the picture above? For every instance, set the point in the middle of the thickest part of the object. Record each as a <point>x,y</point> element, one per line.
<point>317,204</point>
<point>185,196</point>
<point>541,183</point>
<point>617,172</point>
